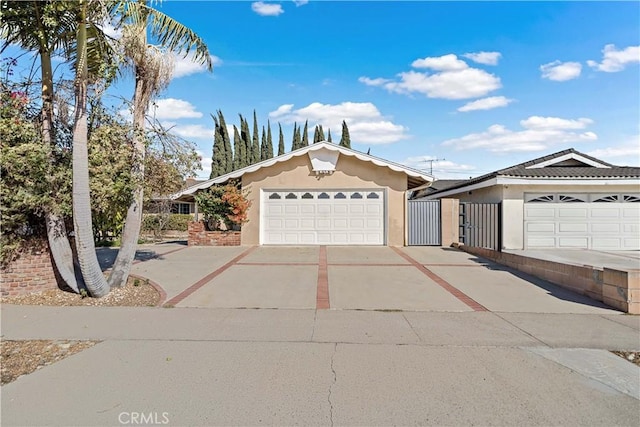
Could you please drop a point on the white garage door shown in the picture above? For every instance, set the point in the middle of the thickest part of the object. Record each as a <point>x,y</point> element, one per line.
<point>586,221</point>
<point>336,217</point>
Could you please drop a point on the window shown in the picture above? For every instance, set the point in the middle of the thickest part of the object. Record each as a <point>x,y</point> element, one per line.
<point>372,196</point>
<point>274,196</point>
<point>181,208</point>
<point>307,196</point>
<point>356,196</point>
<point>290,196</point>
<point>629,198</point>
<point>323,196</point>
<point>340,196</point>
<point>606,199</point>
<point>543,199</point>
<point>569,199</point>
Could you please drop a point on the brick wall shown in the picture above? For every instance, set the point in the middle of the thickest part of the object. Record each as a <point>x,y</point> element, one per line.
<point>199,236</point>
<point>618,289</point>
<point>31,272</point>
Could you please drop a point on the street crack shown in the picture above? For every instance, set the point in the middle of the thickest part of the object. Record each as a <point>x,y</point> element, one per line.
<point>335,348</point>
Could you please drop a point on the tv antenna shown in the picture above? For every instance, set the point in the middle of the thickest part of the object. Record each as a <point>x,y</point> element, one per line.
<point>430,161</point>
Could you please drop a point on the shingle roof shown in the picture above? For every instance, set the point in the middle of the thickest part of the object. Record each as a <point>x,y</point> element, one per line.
<point>523,170</point>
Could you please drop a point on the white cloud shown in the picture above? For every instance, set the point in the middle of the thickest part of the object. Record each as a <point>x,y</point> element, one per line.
<point>366,123</point>
<point>540,133</point>
<point>615,60</point>
<point>537,122</point>
<point>172,108</point>
<point>441,63</point>
<point>185,65</point>
<point>266,9</point>
<point>627,153</point>
<point>486,58</point>
<point>205,162</point>
<point>454,80</point>
<point>561,71</point>
<point>190,132</point>
<point>486,104</point>
<point>299,3</point>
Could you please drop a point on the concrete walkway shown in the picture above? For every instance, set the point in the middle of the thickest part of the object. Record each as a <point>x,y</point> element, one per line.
<point>620,260</point>
<point>192,366</point>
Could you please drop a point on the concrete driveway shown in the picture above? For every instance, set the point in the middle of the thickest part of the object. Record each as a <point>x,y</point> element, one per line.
<point>356,278</point>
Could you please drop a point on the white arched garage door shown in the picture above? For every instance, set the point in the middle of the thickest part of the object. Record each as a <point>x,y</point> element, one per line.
<point>328,217</point>
<point>601,221</point>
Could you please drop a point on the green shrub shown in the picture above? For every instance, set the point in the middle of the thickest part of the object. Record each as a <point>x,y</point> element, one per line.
<point>159,222</point>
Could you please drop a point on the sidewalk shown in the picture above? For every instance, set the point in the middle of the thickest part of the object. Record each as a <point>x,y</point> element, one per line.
<point>327,367</point>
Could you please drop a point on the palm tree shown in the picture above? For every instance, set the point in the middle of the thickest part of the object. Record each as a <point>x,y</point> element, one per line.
<point>152,75</point>
<point>44,27</point>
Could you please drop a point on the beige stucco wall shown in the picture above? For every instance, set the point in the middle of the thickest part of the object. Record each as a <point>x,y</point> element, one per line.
<point>296,173</point>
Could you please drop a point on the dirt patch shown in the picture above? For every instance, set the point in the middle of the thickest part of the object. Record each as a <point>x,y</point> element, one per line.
<point>24,357</point>
<point>631,356</point>
<point>137,293</point>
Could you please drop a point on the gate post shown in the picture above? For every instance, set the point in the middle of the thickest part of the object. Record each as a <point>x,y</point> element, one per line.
<point>449,221</point>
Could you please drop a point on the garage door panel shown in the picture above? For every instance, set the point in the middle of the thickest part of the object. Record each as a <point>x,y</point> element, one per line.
<point>631,213</point>
<point>606,243</point>
<point>544,212</point>
<point>565,227</point>
<point>605,228</point>
<point>541,242</point>
<point>612,213</point>
<point>572,213</point>
<point>542,227</point>
<point>324,217</point>
<point>573,242</point>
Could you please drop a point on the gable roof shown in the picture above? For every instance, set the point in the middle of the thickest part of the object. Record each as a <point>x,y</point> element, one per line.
<point>415,177</point>
<point>567,165</point>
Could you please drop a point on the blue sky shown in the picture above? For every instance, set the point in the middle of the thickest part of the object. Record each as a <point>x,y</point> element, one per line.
<point>482,85</point>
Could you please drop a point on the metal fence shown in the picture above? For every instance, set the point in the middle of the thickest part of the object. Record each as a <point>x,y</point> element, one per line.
<point>424,223</point>
<point>480,225</point>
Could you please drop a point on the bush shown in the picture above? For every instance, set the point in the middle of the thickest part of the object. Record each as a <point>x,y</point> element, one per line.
<point>159,222</point>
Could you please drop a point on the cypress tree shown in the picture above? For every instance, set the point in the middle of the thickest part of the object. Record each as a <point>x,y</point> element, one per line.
<point>263,145</point>
<point>329,136</point>
<point>305,134</point>
<point>255,147</point>
<point>345,140</point>
<point>315,134</point>
<point>298,138</point>
<point>280,141</point>
<point>227,143</point>
<point>238,147</point>
<point>246,141</point>
<point>218,157</point>
<point>294,142</point>
<point>320,134</point>
<point>269,154</point>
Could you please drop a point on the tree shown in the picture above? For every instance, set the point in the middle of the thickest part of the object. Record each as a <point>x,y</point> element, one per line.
<point>152,74</point>
<point>238,147</point>
<point>82,219</point>
<point>280,141</point>
<point>294,141</point>
<point>269,150</point>
<point>318,134</point>
<point>246,140</point>
<point>255,147</point>
<point>227,143</point>
<point>329,136</point>
<point>45,27</point>
<point>219,156</point>
<point>263,146</point>
<point>305,134</point>
<point>345,140</point>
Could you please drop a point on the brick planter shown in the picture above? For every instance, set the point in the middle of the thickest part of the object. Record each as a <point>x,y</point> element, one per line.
<point>199,236</point>
<point>32,271</point>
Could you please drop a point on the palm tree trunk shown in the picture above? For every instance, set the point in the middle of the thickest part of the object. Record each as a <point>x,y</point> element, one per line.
<point>91,272</point>
<point>131,231</point>
<point>56,231</point>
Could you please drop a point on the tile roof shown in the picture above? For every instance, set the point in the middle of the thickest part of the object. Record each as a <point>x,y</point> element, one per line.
<point>523,170</point>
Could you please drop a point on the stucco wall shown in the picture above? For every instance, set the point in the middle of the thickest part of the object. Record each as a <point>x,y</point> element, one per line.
<point>350,173</point>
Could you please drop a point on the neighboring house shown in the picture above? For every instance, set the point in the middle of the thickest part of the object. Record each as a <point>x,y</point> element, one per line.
<point>323,194</point>
<point>563,200</point>
<point>160,204</point>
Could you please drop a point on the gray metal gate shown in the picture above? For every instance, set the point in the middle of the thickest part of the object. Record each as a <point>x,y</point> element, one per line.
<point>480,225</point>
<point>424,223</point>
